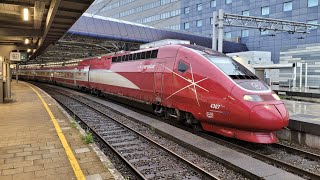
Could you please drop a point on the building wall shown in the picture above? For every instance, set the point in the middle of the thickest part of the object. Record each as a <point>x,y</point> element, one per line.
<point>147,12</point>
<point>157,13</point>
<point>274,41</point>
<point>307,53</point>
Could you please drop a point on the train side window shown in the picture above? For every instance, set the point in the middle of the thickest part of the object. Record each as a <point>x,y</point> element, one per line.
<point>119,59</point>
<point>123,58</point>
<point>126,58</point>
<point>148,55</point>
<point>139,56</point>
<point>143,55</point>
<point>134,56</point>
<point>154,54</point>
<point>182,67</point>
<point>130,57</point>
<point>114,59</point>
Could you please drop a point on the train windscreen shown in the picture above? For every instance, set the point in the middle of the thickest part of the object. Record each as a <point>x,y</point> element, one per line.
<point>231,67</point>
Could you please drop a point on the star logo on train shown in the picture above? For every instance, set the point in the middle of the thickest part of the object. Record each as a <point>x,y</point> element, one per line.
<point>193,85</point>
<point>256,85</point>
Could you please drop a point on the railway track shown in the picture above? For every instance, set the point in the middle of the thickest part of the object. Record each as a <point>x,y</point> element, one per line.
<point>279,155</point>
<point>145,158</point>
<point>267,153</point>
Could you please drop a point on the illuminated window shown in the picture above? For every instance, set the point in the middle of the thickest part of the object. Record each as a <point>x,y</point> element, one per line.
<point>227,35</point>
<point>186,10</point>
<point>312,3</point>
<point>246,13</point>
<point>265,10</point>
<point>213,3</point>
<point>199,23</point>
<point>199,7</point>
<point>264,32</point>
<point>245,33</point>
<point>186,25</point>
<point>287,6</point>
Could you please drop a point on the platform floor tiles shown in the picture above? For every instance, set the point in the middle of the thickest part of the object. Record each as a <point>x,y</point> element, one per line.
<point>30,147</point>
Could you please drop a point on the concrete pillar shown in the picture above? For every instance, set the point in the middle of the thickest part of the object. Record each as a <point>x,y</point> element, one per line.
<point>214,30</point>
<point>300,83</point>
<point>294,83</point>
<point>17,73</point>
<point>220,30</point>
<point>260,74</point>
<point>1,81</point>
<point>8,81</point>
<point>306,77</point>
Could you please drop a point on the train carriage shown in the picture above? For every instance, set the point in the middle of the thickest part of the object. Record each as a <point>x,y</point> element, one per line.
<point>189,83</point>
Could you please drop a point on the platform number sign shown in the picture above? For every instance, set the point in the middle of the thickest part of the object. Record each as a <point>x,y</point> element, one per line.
<point>15,56</point>
<point>18,56</point>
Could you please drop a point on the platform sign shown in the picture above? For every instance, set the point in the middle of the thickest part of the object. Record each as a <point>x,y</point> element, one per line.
<point>18,56</point>
<point>15,56</point>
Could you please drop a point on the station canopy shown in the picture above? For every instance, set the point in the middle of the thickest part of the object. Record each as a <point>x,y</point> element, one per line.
<point>94,35</point>
<point>37,24</point>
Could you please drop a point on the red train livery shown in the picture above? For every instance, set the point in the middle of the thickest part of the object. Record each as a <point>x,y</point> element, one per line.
<point>192,84</point>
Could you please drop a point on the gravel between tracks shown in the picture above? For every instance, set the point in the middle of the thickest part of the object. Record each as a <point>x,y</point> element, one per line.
<point>203,162</point>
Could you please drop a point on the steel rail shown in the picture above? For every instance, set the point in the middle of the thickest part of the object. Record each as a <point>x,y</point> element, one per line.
<point>297,151</point>
<point>187,162</point>
<point>262,157</point>
<point>133,169</point>
<point>265,158</point>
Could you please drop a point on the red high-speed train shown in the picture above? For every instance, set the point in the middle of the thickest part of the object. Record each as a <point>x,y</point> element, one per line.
<point>203,88</point>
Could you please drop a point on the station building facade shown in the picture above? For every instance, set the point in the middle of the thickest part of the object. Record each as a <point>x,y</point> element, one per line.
<point>195,17</point>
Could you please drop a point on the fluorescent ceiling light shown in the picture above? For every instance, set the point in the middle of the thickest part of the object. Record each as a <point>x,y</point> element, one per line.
<point>25,14</point>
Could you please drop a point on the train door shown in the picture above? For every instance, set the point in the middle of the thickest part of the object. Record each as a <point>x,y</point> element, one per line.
<point>158,81</point>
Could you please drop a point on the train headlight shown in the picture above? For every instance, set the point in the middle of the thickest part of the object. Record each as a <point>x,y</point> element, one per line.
<point>276,97</point>
<point>252,98</point>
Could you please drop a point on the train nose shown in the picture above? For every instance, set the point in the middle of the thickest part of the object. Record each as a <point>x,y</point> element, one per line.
<point>272,116</point>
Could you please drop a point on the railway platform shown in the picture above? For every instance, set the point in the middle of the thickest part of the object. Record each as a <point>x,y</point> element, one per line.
<point>307,94</point>
<point>304,123</point>
<point>39,142</point>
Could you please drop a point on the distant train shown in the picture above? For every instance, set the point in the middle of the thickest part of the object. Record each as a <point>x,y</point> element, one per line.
<point>192,84</point>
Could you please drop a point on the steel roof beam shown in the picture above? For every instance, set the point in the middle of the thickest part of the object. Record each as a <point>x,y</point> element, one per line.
<point>20,32</point>
<point>51,14</point>
<point>39,8</point>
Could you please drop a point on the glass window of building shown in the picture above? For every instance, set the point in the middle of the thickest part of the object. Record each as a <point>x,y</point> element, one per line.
<point>265,10</point>
<point>213,3</point>
<point>313,22</point>
<point>245,33</point>
<point>287,6</point>
<point>312,3</point>
<point>199,7</point>
<point>228,1</point>
<point>187,10</point>
<point>264,32</point>
<point>199,23</point>
<point>246,13</point>
<point>211,20</point>
<point>227,35</point>
<point>186,25</point>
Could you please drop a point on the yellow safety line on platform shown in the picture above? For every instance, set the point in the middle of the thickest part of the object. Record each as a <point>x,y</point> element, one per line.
<point>73,161</point>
